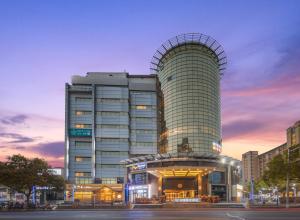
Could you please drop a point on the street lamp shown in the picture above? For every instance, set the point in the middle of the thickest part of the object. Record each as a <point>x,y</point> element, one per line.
<point>223,160</point>
<point>288,176</point>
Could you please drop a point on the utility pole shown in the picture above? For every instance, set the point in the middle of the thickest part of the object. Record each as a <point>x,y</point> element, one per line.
<point>287,175</point>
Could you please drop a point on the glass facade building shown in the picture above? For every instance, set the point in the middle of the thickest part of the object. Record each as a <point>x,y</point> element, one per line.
<point>188,67</point>
<point>157,137</point>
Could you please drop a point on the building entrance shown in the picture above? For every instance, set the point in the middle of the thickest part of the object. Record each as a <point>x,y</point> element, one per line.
<point>179,187</point>
<point>171,195</point>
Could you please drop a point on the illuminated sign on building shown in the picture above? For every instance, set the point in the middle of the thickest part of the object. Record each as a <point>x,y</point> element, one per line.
<point>75,132</point>
<point>138,166</point>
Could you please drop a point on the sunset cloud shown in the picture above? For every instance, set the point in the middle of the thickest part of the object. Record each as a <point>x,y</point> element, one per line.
<point>260,92</point>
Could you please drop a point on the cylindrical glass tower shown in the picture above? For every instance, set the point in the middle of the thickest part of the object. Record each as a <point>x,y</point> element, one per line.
<point>189,68</point>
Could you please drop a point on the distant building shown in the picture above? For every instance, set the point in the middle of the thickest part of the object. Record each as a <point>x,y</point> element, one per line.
<point>265,158</point>
<point>249,167</point>
<point>254,165</point>
<point>293,135</point>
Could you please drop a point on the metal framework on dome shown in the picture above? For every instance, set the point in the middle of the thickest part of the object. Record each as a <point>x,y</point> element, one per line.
<point>189,38</point>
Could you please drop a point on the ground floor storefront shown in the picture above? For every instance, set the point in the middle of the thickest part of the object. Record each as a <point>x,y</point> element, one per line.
<point>95,193</point>
<point>183,180</point>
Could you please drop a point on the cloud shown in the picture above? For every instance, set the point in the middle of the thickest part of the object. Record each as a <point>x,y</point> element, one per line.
<point>240,127</point>
<point>53,149</point>
<point>13,120</point>
<point>17,138</point>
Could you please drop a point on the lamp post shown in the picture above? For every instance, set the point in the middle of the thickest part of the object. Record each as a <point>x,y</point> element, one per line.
<point>287,175</point>
<point>287,180</point>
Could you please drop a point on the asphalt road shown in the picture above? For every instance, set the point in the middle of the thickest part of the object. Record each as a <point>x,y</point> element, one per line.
<point>212,214</point>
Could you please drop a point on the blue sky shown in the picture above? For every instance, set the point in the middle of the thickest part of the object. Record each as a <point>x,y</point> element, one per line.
<point>43,43</point>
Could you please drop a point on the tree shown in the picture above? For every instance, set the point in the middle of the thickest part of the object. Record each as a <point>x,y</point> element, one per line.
<point>277,170</point>
<point>22,174</point>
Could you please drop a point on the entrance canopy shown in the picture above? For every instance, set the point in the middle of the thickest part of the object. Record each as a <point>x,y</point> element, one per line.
<point>180,171</point>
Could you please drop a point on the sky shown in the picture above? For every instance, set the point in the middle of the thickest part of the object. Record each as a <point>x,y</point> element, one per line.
<point>44,43</point>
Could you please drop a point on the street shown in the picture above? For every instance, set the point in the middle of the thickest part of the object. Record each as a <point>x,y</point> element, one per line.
<point>208,214</point>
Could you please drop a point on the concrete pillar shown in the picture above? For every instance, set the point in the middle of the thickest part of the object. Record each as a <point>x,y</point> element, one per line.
<point>229,193</point>
<point>199,180</point>
<point>159,186</point>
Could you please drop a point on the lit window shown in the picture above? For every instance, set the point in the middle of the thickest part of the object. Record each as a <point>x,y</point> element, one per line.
<point>82,159</point>
<point>83,126</point>
<point>141,107</point>
<point>82,174</point>
<point>78,113</point>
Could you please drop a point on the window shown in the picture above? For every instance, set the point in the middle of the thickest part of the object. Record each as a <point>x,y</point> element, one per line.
<point>83,126</point>
<point>112,140</point>
<point>82,174</point>
<point>109,180</point>
<point>83,143</point>
<point>82,159</point>
<point>112,126</point>
<point>109,165</point>
<point>112,113</point>
<point>83,99</point>
<point>169,78</point>
<point>112,100</point>
<point>141,107</point>
<point>78,113</point>
<point>142,144</point>
<point>141,131</point>
<point>144,107</point>
<point>143,119</point>
<point>83,180</point>
<point>114,153</point>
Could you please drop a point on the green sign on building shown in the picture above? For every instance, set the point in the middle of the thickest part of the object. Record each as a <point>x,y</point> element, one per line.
<point>75,132</point>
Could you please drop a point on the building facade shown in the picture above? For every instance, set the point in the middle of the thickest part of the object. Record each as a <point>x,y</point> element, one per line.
<point>293,135</point>
<point>254,164</point>
<point>265,158</point>
<point>189,166</point>
<point>141,137</point>
<point>250,167</point>
<point>109,117</point>
<point>189,74</point>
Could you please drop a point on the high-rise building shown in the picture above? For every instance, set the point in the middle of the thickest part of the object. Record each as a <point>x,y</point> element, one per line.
<point>109,117</point>
<point>250,167</point>
<point>189,67</point>
<point>189,164</point>
<point>158,135</point>
<point>265,158</point>
<point>293,135</point>
<point>255,165</point>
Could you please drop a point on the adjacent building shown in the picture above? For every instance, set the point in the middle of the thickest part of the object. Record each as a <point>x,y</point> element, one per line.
<point>254,164</point>
<point>250,167</point>
<point>265,158</point>
<point>293,135</point>
<point>109,117</point>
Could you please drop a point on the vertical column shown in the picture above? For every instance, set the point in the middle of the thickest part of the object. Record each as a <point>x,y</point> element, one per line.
<point>67,131</point>
<point>199,180</point>
<point>160,186</point>
<point>93,162</point>
<point>229,183</point>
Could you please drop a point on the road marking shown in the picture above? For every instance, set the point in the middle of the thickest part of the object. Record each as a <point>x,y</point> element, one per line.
<point>234,216</point>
